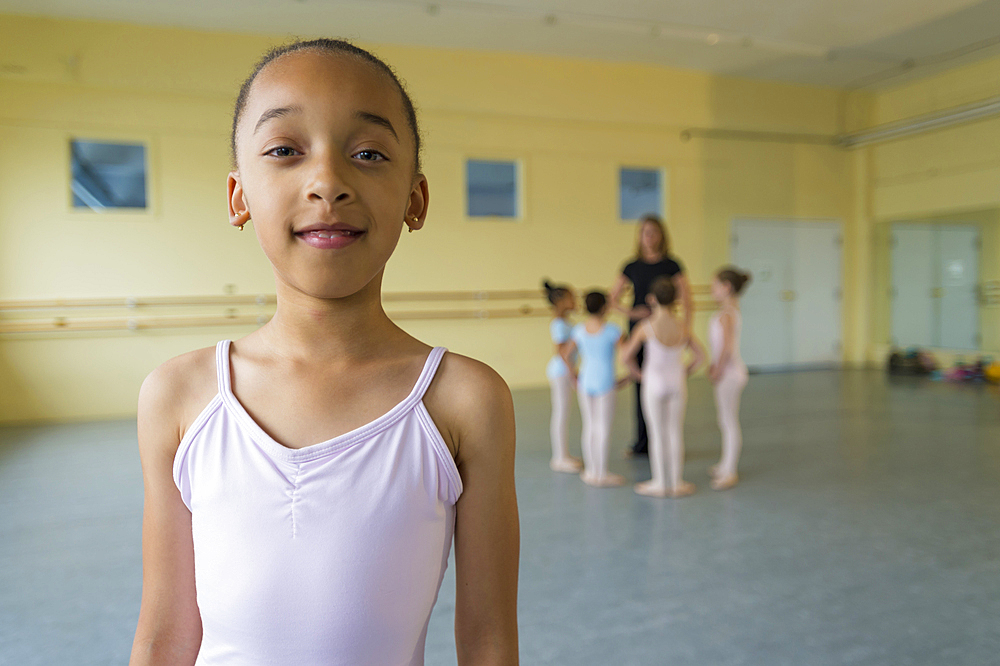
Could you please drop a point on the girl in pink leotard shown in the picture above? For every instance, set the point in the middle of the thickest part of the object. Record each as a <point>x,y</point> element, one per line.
<point>728,371</point>
<point>304,484</point>
<point>665,340</point>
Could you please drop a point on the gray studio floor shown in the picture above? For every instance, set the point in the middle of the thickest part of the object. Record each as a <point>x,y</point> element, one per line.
<point>866,531</point>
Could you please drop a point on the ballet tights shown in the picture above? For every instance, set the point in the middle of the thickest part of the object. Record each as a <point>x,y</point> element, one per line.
<point>665,420</point>
<point>727,404</point>
<point>562,389</point>
<point>597,411</point>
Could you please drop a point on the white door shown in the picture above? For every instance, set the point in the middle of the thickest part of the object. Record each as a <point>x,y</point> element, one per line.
<point>765,249</point>
<point>958,295</point>
<point>791,309</point>
<point>816,311</point>
<point>913,284</point>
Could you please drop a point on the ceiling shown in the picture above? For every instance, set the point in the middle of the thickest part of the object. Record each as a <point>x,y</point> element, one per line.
<point>842,43</point>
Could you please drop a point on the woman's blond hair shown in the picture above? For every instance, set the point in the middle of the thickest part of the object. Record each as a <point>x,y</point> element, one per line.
<point>652,218</point>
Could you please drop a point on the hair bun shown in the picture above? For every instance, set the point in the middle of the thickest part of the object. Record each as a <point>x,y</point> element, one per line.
<point>548,285</point>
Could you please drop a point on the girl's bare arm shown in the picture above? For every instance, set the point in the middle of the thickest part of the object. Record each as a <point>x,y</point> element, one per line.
<point>474,406</point>
<point>566,351</point>
<point>726,321</point>
<point>698,353</point>
<point>684,295</point>
<point>169,628</point>
<point>630,349</point>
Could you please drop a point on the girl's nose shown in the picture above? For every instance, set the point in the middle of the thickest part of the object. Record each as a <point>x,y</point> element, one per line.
<point>329,180</point>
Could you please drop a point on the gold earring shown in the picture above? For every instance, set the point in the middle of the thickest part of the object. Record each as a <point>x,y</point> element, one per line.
<point>241,226</point>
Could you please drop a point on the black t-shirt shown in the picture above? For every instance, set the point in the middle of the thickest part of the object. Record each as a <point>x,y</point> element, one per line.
<point>642,274</point>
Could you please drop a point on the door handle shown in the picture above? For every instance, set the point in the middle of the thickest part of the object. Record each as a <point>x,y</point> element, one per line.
<point>787,295</point>
<point>937,292</point>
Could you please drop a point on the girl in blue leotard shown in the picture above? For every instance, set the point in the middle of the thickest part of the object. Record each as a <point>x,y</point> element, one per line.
<point>597,342</point>
<point>563,302</point>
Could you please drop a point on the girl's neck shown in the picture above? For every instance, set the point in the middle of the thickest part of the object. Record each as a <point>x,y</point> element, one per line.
<point>652,257</point>
<point>325,329</point>
<point>730,303</point>
<point>661,312</point>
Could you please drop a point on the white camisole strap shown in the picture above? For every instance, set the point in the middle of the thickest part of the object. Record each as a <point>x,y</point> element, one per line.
<point>423,381</point>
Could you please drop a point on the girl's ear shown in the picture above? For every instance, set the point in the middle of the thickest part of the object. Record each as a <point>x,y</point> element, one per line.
<point>239,211</point>
<point>416,210</point>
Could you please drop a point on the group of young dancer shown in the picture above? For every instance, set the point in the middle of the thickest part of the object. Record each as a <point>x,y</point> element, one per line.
<point>660,353</point>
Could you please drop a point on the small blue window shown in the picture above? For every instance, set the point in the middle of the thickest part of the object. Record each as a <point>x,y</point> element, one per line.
<point>641,192</point>
<point>491,188</point>
<point>108,175</point>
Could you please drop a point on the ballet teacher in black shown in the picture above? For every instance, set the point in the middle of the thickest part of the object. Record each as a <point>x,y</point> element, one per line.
<point>651,261</point>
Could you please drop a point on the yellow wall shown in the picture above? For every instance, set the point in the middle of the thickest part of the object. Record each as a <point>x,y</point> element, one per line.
<point>947,176</point>
<point>571,123</point>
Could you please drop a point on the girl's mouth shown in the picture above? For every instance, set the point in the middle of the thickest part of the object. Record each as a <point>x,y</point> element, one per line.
<point>327,238</point>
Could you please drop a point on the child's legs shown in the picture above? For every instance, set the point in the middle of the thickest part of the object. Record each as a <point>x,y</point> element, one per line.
<point>654,410</point>
<point>727,403</point>
<point>603,410</point>
<point>586,417</point>
<point>675,409</point>
<point>561,390</point>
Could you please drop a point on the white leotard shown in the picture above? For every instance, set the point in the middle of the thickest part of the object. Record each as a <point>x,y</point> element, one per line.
<point>328,554</point>
<point>716,337</point>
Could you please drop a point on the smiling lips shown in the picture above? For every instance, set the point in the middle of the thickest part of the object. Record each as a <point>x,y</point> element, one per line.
<point>329,236</point>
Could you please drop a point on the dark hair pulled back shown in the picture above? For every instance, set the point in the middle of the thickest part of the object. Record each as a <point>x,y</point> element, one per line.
<point>333,47</point>
<point>555,292</point>
<point>735,278</point>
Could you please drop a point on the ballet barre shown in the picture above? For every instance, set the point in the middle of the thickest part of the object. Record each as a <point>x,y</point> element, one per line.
<point>72,315</point>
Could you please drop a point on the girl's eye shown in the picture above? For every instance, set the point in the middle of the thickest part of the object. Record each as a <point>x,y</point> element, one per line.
<point>370,155</point>
<point>281,151</point>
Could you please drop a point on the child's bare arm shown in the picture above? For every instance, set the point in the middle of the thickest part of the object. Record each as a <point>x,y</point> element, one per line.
<point>698,352</point>
<point>630,349</point>
<point>726,321</point>
<point>474,405</point>
<point>566,351</point>
<point>169,628</point>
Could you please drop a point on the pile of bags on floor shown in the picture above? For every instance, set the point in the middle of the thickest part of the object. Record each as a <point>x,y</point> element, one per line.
<point>915,361</point>
<point>981,370</point>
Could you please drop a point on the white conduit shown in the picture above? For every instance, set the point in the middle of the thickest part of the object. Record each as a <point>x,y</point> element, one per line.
<point>987,108</point>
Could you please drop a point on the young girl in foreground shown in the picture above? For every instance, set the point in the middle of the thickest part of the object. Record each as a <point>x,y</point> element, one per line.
<point>563,302</point>
<point>597,342</point>
<point>728,371</point>
<point>664,339</point>
<point>303,484</point>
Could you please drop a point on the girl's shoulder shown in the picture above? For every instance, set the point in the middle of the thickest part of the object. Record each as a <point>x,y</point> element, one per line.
<point>726,317</point>
<point>175,393</point>
<point>466,399</point>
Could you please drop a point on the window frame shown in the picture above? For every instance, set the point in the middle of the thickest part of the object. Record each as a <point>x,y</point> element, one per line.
<point>148,142</point>
<point>519,188</point>
<point>664,198</point>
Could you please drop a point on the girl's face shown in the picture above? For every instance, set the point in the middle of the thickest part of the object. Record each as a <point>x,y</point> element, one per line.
<point>720,290</point>
<point>650,238</point>
<point>326,171</point>
<point>568,302</point>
